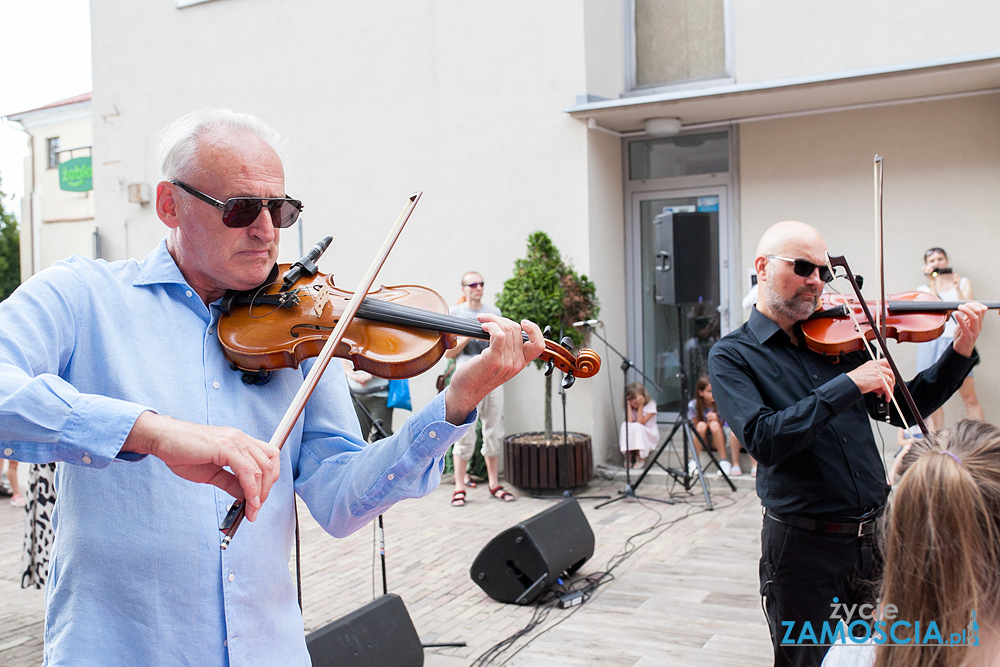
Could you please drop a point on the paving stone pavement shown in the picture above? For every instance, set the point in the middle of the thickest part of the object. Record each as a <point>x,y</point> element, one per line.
<point>683,592</point>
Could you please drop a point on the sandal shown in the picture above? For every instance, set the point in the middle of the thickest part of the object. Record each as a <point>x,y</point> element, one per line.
<point>458,499</point>
<point>469,482</point>
<point>502,494</point>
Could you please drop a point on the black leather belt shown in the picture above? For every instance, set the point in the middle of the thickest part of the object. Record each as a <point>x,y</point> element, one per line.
<point>859,529</point>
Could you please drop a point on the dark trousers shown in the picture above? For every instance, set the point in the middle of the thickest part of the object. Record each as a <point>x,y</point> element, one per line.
<point>801,571</point>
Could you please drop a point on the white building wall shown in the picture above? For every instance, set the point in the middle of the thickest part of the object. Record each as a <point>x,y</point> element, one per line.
<point>783,39</point>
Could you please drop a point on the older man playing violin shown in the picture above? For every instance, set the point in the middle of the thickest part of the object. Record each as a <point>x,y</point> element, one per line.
<point>805,419</point>
<point>113,369</point>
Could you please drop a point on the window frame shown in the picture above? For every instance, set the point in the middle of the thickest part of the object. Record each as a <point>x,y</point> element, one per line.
<point>634,90</point>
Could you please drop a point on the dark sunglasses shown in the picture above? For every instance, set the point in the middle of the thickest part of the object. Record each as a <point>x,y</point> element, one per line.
<point>475,285</point>
<point>239,212</point>
<point>805,268</point>
<point>934,250</point>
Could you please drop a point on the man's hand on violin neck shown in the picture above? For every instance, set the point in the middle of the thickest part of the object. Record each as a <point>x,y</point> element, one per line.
<point>506,356</point>
<point>874,376</point>
<point>970,318</point>
<point>199,453</point>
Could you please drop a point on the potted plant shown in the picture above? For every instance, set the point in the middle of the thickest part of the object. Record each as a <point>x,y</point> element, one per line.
<point>549,292</point>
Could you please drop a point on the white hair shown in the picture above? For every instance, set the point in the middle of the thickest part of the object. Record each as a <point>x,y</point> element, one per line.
<point>177,144</point>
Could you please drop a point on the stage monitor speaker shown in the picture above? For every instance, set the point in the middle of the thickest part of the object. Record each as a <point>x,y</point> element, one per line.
<point>683,258</point>
<point>523,562</point>
<point>380,634</point>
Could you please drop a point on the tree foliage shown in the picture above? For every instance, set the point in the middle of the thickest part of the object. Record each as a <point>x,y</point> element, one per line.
<point>549,292</point>
<point>10,252</point>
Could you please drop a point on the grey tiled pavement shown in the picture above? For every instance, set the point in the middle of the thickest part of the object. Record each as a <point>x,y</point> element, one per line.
<point>685,595</point>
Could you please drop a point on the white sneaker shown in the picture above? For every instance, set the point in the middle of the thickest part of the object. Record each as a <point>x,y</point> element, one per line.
<point>724,467</point>
<point>692,469</point>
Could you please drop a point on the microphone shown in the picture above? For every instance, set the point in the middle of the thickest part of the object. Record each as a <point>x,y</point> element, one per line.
<point>306,265</point>
<point>586,323</point>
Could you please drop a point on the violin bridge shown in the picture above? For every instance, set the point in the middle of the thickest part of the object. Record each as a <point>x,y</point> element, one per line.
<point>320,299</point>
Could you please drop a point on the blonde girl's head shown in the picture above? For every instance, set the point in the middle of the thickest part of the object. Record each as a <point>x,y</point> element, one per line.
<point>942,539</point>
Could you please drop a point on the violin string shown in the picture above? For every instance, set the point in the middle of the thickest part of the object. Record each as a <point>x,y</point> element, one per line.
<point>870,347</point>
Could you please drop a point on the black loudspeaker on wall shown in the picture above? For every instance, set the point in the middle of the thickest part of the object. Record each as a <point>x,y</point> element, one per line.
<point>523,562</point>
<point>683,258</point>
<point>380,634</point>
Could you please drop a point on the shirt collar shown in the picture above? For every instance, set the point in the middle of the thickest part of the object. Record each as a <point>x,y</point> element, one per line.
<point>159,267</point>
<point>762,326</point>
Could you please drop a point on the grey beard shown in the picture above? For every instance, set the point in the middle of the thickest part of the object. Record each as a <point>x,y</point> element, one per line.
<point>792,309</point>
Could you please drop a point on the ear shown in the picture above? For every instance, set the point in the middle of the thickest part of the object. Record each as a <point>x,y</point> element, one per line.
<point>760,266</point>
<point>166,204</point>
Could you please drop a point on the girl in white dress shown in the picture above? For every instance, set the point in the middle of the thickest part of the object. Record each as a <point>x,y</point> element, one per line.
<point>639,430</point>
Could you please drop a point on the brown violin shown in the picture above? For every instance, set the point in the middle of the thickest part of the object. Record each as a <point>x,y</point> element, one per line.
<point>399,331</point>
<point>913,317</point>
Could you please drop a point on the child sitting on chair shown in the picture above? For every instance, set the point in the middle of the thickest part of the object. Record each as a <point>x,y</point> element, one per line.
<point>639,433</point>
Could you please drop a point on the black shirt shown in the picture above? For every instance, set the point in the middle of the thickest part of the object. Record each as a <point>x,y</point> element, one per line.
<point>806,422</point>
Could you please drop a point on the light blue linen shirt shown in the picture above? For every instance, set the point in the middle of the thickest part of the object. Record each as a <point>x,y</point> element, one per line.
<point>137,576</point>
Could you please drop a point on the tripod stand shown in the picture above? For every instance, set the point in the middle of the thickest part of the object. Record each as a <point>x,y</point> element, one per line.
<point>688,434</point>
<point>629,491</point>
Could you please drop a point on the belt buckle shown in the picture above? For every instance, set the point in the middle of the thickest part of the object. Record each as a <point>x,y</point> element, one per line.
<point>862,525</point>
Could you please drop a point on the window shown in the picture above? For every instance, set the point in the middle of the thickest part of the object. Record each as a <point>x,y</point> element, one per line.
<point>53,145</point>
<point>686,155</point>
<point>676,41</point>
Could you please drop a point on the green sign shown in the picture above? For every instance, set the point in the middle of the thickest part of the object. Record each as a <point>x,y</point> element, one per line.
<point>76,175</point>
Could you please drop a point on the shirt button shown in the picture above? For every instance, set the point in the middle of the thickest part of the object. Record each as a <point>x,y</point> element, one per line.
<point>209,332</point>
<point>857,474</point>
<point>232,576</point>
<point>845,439</point>
<point>8,451</point>
<point>433,434</point>
<point>390,477</point>
<point>86,458</point>
<point>189,293</point>
<point>815,376</point>
<point>215,384</point>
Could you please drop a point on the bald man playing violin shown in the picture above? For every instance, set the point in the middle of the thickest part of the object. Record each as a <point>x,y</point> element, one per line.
<point>114,370</point>
<point>805,418</point>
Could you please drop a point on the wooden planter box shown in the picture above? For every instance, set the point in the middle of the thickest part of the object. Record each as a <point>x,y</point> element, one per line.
<point>530,463</point>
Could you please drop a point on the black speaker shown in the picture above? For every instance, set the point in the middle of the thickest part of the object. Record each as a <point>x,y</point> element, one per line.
<point>523,562</point>
<point>380,634</point>
<point>683,258</point>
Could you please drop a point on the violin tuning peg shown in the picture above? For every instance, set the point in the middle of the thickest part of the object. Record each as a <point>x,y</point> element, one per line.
<point>567,342</point>
<point>549,367</point>
<point>547,332</point>
<point>568,381</point>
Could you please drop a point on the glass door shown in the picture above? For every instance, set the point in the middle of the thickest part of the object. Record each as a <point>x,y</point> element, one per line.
<point>675,276</point>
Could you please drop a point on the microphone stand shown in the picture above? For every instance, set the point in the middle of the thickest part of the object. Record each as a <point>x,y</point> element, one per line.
<point>563,469</point>
<point>380,433</point>
<point>629,491</point>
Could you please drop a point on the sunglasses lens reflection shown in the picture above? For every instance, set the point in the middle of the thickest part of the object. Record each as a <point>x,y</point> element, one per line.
<point>805,269</point>
<point>241,213</point>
